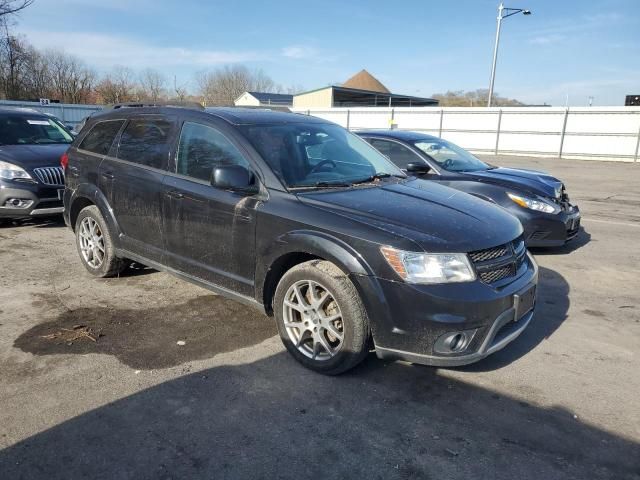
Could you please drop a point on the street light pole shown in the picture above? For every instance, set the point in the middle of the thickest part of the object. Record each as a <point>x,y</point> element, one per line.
<point>495,54</point>
<point>501,16</point>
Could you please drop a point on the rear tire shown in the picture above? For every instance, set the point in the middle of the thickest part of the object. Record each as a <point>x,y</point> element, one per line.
<point>95,245</point>
<point>320,317</point>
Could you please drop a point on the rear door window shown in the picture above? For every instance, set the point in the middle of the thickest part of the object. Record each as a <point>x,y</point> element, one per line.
<point>101,136</point>
<point>146,142</point>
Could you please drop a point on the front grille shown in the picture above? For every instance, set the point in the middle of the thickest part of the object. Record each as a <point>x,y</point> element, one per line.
<point>488,254</point>
<point>491,276</point>
<point>499,263</point>
<point>50,175</point>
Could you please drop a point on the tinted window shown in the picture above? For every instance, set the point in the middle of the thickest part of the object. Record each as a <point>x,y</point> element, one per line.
<point>101,136</point>
<point>202,148</point>
<point>31,130</point>
<point>146,142</point>
<point>398,154</point>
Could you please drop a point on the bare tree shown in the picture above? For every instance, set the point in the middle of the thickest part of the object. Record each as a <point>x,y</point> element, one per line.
<point>224,85</point>
<point>152,85</point>
<point>475,98</point>
<point>71,80</point>
<point>14,53</point>
<point>117,86</point>
<point>9,7</point>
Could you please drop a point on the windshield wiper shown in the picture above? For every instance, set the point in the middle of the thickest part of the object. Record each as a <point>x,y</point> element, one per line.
<point>376,176</point>
<point>320,185</point>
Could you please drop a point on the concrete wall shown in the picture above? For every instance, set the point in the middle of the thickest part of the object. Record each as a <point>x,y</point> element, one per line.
<point>605,133</point>
<point>70,114</point>
<point>317,99</point>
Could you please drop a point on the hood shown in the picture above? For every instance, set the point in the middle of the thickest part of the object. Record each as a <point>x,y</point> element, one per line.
<point>33,156</point>
<point>532,181</point>
<point>437,218</point>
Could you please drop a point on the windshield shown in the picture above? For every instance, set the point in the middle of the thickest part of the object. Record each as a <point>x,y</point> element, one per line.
<point>449,156</point>
<point>27,130</point>
<point>318,155</point>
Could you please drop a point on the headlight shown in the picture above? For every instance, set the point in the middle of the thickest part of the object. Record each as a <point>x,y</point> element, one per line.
<point>9,171</point>
<point>534,203</point>
<point>416,267</point>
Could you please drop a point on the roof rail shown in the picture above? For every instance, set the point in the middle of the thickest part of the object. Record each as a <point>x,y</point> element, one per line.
<point>192,105</point>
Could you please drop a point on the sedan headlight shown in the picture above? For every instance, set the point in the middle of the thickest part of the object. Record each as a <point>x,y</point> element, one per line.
<point>9,171</point>
<point>534,203</point>
<point>416,267</point>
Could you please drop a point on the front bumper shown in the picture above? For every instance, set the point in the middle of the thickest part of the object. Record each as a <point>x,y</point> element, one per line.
<point>548,230</point>
<point>37,199</point>
<point>408,321</point>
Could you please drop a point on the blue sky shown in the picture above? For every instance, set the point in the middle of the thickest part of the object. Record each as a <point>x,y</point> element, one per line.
<point>417,47</point>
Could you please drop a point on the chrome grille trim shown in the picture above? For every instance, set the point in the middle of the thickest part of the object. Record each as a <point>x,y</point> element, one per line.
<point>50,175</point>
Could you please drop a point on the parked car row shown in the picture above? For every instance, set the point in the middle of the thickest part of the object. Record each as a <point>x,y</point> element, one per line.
<point>349,249</point>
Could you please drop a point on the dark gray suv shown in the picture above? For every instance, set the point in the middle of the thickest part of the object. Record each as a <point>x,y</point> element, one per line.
<point>307,222</point>
<point>31,178</point>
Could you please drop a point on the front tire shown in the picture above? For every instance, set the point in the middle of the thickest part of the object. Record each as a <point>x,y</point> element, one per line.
<point>320,317</point>
<point>95,244</point>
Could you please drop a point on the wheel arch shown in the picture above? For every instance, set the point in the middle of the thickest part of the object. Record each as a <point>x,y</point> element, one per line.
<point>299,247</point>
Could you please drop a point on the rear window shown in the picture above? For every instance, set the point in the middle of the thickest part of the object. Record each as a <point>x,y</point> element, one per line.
<point>146,142</point>
<point>101,136</point>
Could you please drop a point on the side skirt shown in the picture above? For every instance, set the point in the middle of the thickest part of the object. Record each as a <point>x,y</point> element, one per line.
<point>225,292</point>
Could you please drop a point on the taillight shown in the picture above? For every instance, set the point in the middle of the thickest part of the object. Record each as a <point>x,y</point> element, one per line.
<point>64,160</point>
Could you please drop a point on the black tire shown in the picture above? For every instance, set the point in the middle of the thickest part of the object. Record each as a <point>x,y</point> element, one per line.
<point>343,294</point>
<point>111,265</point>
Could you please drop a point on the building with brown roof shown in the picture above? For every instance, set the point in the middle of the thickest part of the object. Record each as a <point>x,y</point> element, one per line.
<point>361,90</point>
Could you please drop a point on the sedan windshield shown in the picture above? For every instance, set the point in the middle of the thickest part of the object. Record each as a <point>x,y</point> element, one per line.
<point>31,130</point>
<point>319,155</point>
<point>450,157</point>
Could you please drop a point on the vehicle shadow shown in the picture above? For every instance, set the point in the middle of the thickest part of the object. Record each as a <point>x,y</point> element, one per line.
<point>54,221</point>
<point>581,239</point>
<point>274,419</point>
<point>551,310</point>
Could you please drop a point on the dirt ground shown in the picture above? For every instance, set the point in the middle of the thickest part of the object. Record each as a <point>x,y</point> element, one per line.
<point>147,376</point>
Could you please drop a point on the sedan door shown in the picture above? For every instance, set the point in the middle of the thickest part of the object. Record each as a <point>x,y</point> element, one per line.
<point>209,232</point>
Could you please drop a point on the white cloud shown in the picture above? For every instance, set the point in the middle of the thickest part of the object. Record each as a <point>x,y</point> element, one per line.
<point>547,39</point>
<point>104,51</point>
<point>299,51</point>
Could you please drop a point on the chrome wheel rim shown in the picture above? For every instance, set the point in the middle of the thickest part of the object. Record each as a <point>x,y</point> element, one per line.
<point>313,320</point>
<point>91,242</point>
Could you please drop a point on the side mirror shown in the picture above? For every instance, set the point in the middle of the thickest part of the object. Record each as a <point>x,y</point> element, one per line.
<point>418,168</point>
<point>235,178</point>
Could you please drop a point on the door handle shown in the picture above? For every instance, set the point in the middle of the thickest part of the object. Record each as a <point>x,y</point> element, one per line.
<point>175,194</point>
<point>108,175</point>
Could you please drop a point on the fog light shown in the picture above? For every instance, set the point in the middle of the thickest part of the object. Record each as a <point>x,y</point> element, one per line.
<point>18,203</point>
<point>454,342</point>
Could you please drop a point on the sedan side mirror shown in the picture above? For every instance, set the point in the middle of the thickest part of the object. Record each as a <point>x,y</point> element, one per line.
<point>418,168</point>
<point>235,178</point>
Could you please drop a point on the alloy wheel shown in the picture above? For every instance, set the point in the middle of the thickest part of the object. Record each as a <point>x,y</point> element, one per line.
<point>313,320</point>
<point>91,242</point>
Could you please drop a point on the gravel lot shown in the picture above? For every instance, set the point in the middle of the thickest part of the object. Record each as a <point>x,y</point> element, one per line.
<point>560,402</point>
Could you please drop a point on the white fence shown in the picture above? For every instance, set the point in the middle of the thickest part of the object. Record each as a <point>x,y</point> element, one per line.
<point>70,114</point>
<point>601,133</point>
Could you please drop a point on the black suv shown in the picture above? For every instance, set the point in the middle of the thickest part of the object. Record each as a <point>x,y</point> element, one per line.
<point>307,222</point>
<point>31,178</point>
